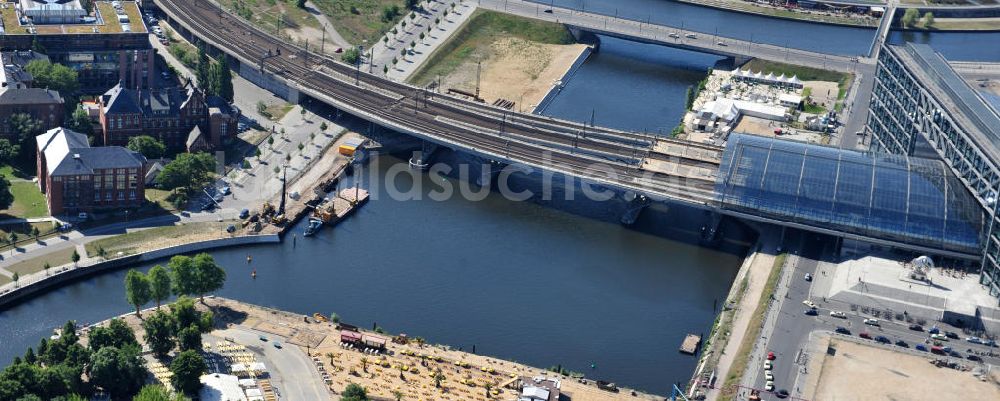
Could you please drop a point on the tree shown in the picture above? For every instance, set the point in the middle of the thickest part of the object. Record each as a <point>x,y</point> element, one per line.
<point>16,277</point>
<point>6,197</point>
<point>8,151</point>
<point>35,233</point>
<point>256,153</point>
<point>118,371</point>
<point>928,20</point>
<point>364,364</point>
<point>80,121</point>
<point>116,334</point>
<point>488,387</point>
<point>385,69</point>
<point>412,4</point>
<point>75,257</point>
<point>187,368</point>
<point>148,146</point>
<point>46,266</point>
<point>155,392</point>
<point>137,289</point>
<point>354,392</point>
<point>910,17</point>
<point>203,70</point>
<point>159,284</point>
<point>56,77</point>
<point>300,4</point>
<point>196,276</point>
<point>438,378</point>
<point>351,56</point>
<point>398,395</point>
<point>270,141</point>
<point>27,128</point>
<point>189,338</point>
<point>187,171</point>
<point>223,80</point>
<point>159,328</point>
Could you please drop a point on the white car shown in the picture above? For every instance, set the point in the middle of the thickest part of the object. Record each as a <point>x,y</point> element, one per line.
<point>809,303</point>
<point>838,314</point>
<point>768,376</point>
<point>872,322</point>
<point>720,43</point>
<point>673,35</point>
<point>691,36</point>
<point>769,386</point>
<point>768,365</point>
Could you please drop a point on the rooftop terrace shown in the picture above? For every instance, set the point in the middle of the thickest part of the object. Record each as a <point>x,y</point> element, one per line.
<point>106,21</point>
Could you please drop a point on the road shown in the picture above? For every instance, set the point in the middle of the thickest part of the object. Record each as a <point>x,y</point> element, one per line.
<point>292,372</point>
<point>791,327</point>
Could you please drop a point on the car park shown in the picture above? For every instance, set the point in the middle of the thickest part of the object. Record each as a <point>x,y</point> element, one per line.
<point>916,327</point>
<point>872,322</point>
<point>838,314</point>
<point>843,330</point>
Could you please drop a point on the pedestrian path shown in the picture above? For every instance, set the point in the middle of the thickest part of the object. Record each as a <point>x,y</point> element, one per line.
<point>383,52</point>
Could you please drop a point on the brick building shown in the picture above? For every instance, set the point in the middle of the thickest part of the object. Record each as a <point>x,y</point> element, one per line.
<point>78,178</point>
<point>166,114</point>
<point>18,96</point>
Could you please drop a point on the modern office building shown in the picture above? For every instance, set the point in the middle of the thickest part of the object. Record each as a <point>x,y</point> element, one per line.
<point>921,107</point>
<point>108,45</point>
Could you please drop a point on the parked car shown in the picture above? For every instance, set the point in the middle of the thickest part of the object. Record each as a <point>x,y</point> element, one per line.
<point>771,356</point>
<point>920,347</point>
<point>809,277</point>
<point>872,322</point>
<point>883,339</point>
<point>811,312</point>
<point>990,343</point>
<point>843,330</point>
<point>955,354</point>
<point>809,303</point>
<point>934,330</point>
<point>974,340</point>
<point>916,327</point>
<point>838,314</point>
<point>769,386</point>
<point>951,334</point>
<point>938,350</point>
<point>277,345</point>
<point>768,365</point>
<point>974,358</point>
<point>263,338</point>
<point>865,335</point>
<point>902,343</point>
<point>244,213</point>
<point>939,337</point>
<point>781,393</point>
<point>768,375</point>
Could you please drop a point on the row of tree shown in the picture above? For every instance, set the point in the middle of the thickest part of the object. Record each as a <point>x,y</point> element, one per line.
<point>214,78</point>
<point>183,276</point>
<point>912,15</point>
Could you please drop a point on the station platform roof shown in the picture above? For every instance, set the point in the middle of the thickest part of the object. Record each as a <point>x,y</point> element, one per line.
<point>897,199</point>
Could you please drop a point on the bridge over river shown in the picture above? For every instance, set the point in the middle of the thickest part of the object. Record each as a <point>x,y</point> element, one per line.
<point>740,180</point>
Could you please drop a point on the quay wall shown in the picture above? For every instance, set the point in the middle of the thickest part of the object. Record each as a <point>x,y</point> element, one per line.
<point>556,89</point>
<point>84,270</point>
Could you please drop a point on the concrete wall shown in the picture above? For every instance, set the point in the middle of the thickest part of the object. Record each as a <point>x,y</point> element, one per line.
<point>58,279</point>
<point>269,82</point>
<point>555,89</point>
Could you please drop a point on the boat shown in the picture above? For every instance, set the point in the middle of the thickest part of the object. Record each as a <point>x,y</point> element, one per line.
<point>253,274</point>
<point>314,225</point>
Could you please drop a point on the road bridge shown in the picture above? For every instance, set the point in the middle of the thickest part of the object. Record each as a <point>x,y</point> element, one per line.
<point>653,33</point>
<point>603,156</point>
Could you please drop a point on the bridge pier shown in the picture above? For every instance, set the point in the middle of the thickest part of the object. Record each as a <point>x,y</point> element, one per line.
<point>710,231</point>
<point>419,160</point>
<point>585,37</point>
<point>635,204</point>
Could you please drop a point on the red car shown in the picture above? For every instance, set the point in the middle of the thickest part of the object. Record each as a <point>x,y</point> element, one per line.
<point>864,334</point>
<point>770,356</point>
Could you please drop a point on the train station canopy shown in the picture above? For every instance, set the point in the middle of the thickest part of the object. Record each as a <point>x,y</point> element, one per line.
<point>898,199</point>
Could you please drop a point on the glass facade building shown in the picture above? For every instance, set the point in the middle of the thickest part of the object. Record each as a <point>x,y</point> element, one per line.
<point>896,199</point>
<point>921,107</point>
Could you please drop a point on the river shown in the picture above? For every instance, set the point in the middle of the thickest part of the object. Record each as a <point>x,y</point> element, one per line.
<point>518,280</point>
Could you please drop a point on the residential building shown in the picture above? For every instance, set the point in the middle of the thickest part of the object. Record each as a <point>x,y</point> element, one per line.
<point>167,114</point>
<point>921,107</point>
<point>76,177</point>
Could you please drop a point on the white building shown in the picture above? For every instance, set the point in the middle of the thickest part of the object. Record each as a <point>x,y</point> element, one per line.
<point>221,387</point>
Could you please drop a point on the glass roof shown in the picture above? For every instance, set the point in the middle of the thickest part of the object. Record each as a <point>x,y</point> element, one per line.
<point>895,198</point>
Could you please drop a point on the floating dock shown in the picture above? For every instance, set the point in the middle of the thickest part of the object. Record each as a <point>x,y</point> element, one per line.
<point>690,344</point>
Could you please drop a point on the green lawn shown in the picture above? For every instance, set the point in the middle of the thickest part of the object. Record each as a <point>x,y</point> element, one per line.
<point>28,201</point>
<point>360,20</point>
<point>54,259</point>
<point>482,30</point>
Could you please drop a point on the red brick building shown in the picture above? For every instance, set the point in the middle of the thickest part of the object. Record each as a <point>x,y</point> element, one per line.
<point>78,178</point>
<point>166,114</point>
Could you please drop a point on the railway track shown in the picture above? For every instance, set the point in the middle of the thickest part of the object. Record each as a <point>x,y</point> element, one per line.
<point>600,155</point>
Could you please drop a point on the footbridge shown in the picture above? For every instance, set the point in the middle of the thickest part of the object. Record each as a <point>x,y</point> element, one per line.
<point>654,33</point>
<point>658,168</point>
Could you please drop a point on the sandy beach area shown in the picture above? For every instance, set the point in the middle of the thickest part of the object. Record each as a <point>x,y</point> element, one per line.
<point>408,368</point>
<point>516,70</point>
